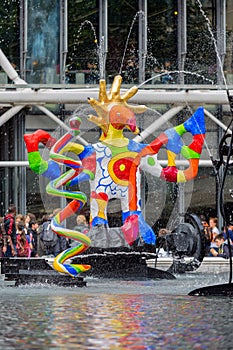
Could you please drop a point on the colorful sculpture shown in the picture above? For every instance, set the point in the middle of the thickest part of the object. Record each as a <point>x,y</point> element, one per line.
<point>112,166</point>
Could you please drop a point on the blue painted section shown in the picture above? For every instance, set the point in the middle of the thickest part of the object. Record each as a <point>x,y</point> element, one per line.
<point>196,123</point>
<point>174,143</point>
<point>80,178</point>
<point>146,231</point>
<point>53,170</point>
<point>87,152</point>
<point>71,270</point>
<point>99,221</point>
<point>135,146</point>
<point>128,213</point>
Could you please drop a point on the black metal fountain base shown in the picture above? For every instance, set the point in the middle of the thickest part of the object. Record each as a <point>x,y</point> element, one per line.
<point>121,263</point>
<point>22,271</point>
<point>112,263</point>
<point>225,289</point>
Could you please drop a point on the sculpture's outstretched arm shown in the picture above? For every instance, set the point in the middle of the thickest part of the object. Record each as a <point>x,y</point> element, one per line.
<point>40,166</point>
<point>55,187</point>
<point>147,161</point>
<point>171,139</point>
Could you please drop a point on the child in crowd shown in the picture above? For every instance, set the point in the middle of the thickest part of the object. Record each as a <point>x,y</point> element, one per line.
<point>22,245</point>
<point>32,234</point>
<point>213,226</point>
<point>223,250</point>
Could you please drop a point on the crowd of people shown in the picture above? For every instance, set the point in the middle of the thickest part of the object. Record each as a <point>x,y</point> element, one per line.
<point>25,236</point>
<point>216,241</point>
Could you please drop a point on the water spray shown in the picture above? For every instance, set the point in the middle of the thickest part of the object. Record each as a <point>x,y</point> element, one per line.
<point>224,150</point>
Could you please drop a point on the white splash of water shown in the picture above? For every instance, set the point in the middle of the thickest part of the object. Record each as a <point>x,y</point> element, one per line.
<point>176,72</point>
<point>213,39</point>
<point>127,40</point>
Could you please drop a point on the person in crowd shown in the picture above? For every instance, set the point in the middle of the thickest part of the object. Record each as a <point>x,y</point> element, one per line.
<point>32,233</point>
<point>131,72</point>
<point>213,224</point>
<point>93,75</point>
<point>229,228</point>
<point>63,241</point>
<point>166,78</point>
<point>161,244</point>
<point>28,217</point>
<point>208,234</point>
<point>22,245</point>
<point>40,245</point>
<point>49,239</point>
<point>18,218</point>
<point>53,243</point>
<point>3,239</point>
<point>26,221</point>
<point>9,225</point>
<point>223,249</point>
<point>82,226</point>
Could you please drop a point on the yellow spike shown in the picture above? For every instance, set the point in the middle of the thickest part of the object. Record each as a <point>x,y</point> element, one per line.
<point>114,94</point>
<point>102,91</point>
<point>130,93</point>
<point>137,109</point>
<point>107,100</point>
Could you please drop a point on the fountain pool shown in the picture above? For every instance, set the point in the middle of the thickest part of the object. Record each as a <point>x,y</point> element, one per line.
<point>117,314</point>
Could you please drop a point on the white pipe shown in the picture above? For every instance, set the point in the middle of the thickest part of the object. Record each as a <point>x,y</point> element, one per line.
<point>202,163</point>
<point>217,121</point>
<point>13,75</point>
<point>32,97</point>
<point>74,96</point>
<point>13,163</point>
<point>159,122</point>
<point>199,97</point>
<point>19,163</point>
<point>10,71</point>
<point>9,114</point>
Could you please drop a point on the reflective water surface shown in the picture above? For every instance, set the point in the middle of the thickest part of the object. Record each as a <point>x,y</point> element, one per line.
<point>116,314</point>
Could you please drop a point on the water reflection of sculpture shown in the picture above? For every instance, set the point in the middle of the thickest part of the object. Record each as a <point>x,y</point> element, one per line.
<point>112,166</point>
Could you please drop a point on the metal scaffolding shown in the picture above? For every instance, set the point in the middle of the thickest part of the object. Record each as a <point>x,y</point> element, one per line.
<point>176,97</point>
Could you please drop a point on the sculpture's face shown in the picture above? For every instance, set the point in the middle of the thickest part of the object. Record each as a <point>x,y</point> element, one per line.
<point>121,117</point>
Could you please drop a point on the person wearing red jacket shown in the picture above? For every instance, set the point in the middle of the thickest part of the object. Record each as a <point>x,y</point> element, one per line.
<point>9,225</point>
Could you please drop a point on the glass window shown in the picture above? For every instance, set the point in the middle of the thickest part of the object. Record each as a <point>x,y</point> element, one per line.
<point>43,41</point>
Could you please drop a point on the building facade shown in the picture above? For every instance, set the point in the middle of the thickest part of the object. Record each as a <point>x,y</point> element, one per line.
<point>163,47</point>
